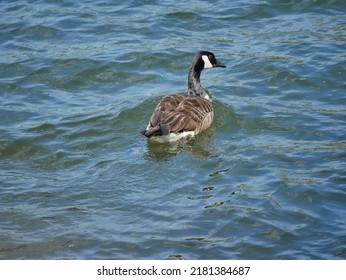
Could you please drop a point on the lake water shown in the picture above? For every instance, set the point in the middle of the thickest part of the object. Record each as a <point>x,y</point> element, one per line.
<point>78,82</point>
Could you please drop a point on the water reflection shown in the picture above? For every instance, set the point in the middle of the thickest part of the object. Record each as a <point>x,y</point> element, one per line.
<point>200,146</point>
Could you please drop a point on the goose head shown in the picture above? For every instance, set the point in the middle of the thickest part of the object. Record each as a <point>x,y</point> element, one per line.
<point>202,60</point>
<point>208,60</point>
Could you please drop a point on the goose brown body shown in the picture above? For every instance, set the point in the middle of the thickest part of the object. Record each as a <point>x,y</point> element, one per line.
<point>178,116</point>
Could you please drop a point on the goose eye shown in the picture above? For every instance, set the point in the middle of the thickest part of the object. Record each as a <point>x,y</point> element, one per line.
<point>211,56</point>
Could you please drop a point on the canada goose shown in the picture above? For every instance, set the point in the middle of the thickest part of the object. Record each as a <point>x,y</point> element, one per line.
<point>177,116</point>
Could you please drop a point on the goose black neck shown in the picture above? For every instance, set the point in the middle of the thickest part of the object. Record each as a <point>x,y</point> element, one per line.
<point>194,84</point>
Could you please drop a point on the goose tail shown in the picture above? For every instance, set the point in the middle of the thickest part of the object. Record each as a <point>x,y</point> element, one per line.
<point>158,130</point>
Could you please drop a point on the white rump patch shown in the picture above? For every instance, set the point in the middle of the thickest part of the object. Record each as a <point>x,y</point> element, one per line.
<point>172,137</point>
<point>207,63</point>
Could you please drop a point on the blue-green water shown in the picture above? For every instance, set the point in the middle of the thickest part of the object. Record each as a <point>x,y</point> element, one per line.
<point>78,82</point>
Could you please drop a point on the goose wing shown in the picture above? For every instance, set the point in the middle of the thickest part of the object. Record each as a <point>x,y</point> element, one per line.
<point>192,114</point>
<point>167,104</point>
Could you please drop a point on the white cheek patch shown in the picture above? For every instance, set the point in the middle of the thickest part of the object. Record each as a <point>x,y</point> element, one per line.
<point>207,63</point>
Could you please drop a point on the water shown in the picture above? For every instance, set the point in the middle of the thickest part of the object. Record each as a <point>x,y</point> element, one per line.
<point>78,82</point>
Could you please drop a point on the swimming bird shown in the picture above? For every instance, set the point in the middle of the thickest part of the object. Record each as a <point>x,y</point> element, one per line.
<point>177,116</point>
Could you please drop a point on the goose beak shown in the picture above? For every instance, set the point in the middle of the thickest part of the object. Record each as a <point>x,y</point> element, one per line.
<point>219,64</point>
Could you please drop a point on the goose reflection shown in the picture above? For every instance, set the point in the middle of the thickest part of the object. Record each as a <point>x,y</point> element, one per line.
<point>200,146</point>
